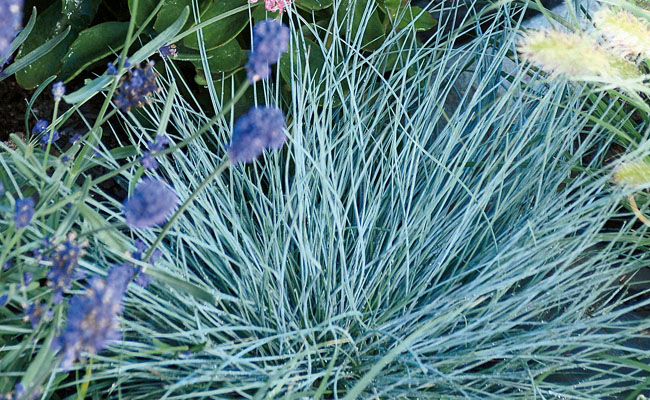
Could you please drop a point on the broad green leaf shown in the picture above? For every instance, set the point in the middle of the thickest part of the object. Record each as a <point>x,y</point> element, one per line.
<point>221,32</point>
<point>224,58</point>
<point>302,47</point>
<point>92,45</point>
<point>423,20</point>
<point>260,13</point>
<point>35,54</point>
<point>349,15</point>
<point>55,20</point>
<point>313,5</point>
<point>145,7</point>
<point>170,12</point>
<point>80,13</point>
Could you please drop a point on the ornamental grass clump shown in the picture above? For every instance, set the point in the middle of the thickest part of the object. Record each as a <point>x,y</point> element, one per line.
<point>399,246</point>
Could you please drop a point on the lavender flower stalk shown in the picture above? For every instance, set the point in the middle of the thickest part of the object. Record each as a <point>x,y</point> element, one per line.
<point>150,205</point>
<point>261,128</point>
<point>11,17</point>
<point>94,316</point>
<point>270,40</point>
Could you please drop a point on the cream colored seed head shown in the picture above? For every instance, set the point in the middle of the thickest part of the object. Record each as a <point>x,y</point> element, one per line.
<point>573,55</point>
<point>626,34</point>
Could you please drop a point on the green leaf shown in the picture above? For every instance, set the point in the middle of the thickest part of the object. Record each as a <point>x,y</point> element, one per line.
<point>24,33</point>
<point>98,83</point>
<point>259,13</point>
<point>349,15</point>
<point>406,15</point>
<point>313,5</point>
<point>80,13</point>
<point>218,34</point>
<point>92,45</point>
<point>35,54</point>
<point>170,12</point>
<point>145,7</point>
<point>55,20</point>
<point>224,58</point>
<point>314,62</point>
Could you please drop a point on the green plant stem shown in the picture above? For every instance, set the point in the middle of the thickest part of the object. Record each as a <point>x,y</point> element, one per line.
<point>81,394</point>
<point>184,206</point>
<point>50,132</point>
<point>116,80</point>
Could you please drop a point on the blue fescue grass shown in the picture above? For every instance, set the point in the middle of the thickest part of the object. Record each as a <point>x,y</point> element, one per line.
<point>398,247</point>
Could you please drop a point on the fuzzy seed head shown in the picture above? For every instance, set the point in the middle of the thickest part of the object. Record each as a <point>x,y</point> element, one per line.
<point>626,34</point>
<point>573,55</point>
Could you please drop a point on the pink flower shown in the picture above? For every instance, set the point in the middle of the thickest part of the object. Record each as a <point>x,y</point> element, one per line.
<point>275,5</point>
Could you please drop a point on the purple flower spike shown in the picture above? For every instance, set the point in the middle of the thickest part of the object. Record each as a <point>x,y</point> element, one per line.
<point>151,204</point>
<point>65,261</point>
<point>24,212</point>
<point>11,12</point>
<point>137,87</point>
<point>261,128</point>
<point>270,40</point>
<point>58,90</point>
<point>94,316</point>
<point>40,126</point>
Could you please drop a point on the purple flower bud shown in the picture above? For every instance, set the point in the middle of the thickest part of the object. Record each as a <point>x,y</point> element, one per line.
<point>65,261</point>
<point>24,212</point>
<point>3,299</point>
<point>148,161</point>
<point>151,204</point>
<point>75,138</point>
<point>34,312</point>
<point>11,12</point>
<point>94,316</point>
<point>40,126</point>
<point>159,144</point>
<point>58,90</point>
<point>136,88</point>
<point>112,67</point>
<point>49,137</point>
<point>27,277</point>
<point>261,128</point>
<point>270,40</point>
<point>168,50</point>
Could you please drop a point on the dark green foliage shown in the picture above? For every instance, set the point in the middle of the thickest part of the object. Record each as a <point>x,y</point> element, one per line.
<point>98,28</point>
